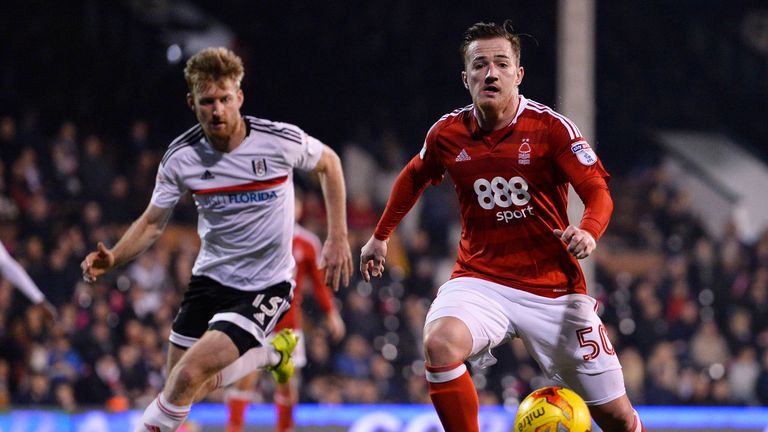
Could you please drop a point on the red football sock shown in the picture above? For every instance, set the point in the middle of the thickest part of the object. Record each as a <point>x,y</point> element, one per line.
<point>236,414</point>
<point>284,406</point>
<point>454,396</point>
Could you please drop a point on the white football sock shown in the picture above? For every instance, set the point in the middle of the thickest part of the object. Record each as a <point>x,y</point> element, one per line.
<point>162,416</point>
<point>254,358</point>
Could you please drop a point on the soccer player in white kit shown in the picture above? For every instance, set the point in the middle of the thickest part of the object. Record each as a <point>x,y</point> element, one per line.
<point>239,170</point>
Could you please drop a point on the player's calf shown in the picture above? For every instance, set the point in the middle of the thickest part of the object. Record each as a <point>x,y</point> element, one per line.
<point>617,415</point>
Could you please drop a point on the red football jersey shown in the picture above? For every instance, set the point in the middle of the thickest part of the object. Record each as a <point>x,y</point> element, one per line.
<point>306,252</point>
<point>512,187</point>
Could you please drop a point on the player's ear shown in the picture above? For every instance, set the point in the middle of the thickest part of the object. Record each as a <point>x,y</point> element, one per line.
<point>520,74</point>
<point>464,79</point>
<point>191,101</point>
<point>240,97</point>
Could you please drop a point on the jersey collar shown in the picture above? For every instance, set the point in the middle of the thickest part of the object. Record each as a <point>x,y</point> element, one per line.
<point>478,132</point>
<point>247,126</point>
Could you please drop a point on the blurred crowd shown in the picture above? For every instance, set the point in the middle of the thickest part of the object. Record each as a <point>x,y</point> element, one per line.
<point>686,312</point>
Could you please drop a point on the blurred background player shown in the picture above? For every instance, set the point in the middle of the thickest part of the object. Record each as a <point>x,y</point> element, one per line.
<point>239,170</point>
<point>12,271</point>
<point>511,160</point>
<point>306,252</point>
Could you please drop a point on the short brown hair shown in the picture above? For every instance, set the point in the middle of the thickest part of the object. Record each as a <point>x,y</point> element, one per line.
<point>491,30</point>
<point>213,64</point>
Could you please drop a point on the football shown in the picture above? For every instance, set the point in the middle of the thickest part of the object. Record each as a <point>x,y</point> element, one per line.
<point>553,409</point>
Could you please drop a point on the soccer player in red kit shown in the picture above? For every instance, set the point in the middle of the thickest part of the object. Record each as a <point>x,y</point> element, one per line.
<point>511,160</point>
<point>306,252</point>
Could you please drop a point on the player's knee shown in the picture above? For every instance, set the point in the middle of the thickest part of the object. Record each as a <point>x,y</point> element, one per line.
<point>446,340</point>
<point>441,348</point>
<point>188,378</point>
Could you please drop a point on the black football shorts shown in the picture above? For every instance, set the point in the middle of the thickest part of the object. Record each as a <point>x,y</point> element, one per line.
<point>247,317</point>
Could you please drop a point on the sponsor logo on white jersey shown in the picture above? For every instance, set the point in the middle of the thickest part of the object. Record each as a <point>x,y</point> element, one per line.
<point>234,198</point>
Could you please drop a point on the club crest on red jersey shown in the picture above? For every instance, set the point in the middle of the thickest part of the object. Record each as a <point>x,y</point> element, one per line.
<point>584,153</point>
<point>524,152</point>
<point>259,167</point>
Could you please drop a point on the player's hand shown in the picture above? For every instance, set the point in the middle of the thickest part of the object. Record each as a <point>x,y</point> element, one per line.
<point>580,243</point>
<point>49,312</point>
<point>336,327</point>
<point>336,260</point>
<point>372,258</point>
<point>97,263</point>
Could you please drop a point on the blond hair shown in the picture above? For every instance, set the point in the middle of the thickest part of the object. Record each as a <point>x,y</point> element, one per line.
<point>211,65</point>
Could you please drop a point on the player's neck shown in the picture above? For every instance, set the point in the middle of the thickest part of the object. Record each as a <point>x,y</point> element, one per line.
<point>226,145</point>
<point>495,119</point>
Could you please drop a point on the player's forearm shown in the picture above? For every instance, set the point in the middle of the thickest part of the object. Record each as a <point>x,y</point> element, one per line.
<point>140,236</point>
<point>335,196</point>
<point>407,189</point>
<point>598,206</point>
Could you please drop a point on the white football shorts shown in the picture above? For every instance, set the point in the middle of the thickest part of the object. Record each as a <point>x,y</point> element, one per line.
<point>564,335</point>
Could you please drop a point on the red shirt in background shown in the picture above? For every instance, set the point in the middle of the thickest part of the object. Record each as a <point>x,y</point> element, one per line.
<point>306,252</point>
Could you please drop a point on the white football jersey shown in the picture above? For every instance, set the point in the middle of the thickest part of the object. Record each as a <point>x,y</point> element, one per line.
<point>244,199</point>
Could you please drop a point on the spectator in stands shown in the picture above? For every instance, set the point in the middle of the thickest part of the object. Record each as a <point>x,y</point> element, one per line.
<point>95,170</point>
<point>761,387</point>
<point>355,359</point>
<point>35,389</point>
<point>708,346</point>
<point>743,372</point>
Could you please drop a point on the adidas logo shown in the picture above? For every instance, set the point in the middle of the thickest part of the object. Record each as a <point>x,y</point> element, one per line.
<point>207,175</point>
<point>463,156</point>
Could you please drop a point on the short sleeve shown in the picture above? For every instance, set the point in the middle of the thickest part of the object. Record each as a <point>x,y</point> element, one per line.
<point>168,188</point>
<point>300,150</point>
<point>312,149</point>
